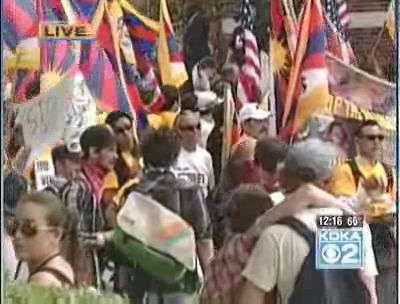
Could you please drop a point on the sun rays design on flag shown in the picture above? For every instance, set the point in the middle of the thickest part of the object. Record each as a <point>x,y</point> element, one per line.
<point>280,62</point>
<point>57,62</point>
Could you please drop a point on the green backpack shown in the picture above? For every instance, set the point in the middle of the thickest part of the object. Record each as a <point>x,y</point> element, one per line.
<point>159,241</point>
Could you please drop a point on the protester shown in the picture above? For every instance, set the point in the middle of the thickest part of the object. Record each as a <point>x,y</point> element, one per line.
<point>278,256</point>
<point>160,150</point>
<point>128,162</point>
<point>127,165</point>
<point>66,167</point>
<point>269,155</point>
<point>196,36</point>
<point>203,74</point>
<point>168,112</point>
<point>369,143</point>
<point>240,167</point>
<point>246,203</point>
<point>351,178</point>
<point>38,231</point>
<point>84,195</point>
<point>206,102</point>
<point>15,186</point>
<point>194,162</point>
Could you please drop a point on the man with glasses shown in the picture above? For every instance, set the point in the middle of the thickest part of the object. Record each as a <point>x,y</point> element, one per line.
<point>362,172</point>
<point>367,164</point>
<point>194,162</point>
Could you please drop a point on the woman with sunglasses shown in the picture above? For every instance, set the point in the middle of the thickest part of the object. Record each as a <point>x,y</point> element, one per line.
<point>127,166</point>
<point>38,230</point>
<point>15,186</point>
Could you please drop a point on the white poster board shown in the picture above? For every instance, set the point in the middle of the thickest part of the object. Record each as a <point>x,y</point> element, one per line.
<point>43,119</point>
<point>81,113</point>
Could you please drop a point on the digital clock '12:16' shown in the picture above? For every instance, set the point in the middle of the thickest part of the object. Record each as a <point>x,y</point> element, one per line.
<point>340,221</point>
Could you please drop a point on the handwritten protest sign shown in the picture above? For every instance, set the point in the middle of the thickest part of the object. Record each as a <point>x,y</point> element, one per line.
<point>43,119</point>
<point>44,170</point>
<point>81,113</point>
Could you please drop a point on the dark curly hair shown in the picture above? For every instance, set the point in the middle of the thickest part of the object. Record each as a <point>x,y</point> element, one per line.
<point>160,147</point>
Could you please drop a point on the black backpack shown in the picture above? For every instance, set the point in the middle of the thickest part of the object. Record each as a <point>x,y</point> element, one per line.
<point>324,286</point>
<point>357,174</point>
<point>383,239</point>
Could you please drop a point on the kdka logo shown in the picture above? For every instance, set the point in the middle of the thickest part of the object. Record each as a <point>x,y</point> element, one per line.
<point>65,31</point>
<point>339,248</point>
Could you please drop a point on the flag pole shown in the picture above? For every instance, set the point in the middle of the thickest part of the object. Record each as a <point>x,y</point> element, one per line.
<point>375,47</point>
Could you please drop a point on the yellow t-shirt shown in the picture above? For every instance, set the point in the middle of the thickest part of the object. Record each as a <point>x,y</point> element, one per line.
<point>344,184</point>
<point>111,181</point>
<point>118,197</point>
<point>162,119</point>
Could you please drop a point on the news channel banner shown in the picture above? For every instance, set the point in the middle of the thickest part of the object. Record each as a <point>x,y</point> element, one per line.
<point>340,242</point>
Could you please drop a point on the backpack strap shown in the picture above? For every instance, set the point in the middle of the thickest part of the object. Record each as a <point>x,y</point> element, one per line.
<point>389,175</point>
<point>355,170</point>
<point>58,275</point>
<point>301,229</point>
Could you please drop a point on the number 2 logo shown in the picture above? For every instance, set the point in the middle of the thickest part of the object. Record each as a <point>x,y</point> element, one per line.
<point>350,252</point>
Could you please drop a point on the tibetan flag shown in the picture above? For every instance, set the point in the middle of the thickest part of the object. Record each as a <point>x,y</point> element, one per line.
<point>26,85</point>
<point>282,50</point>
<point>309,75</point>
<point>50,10</point>
<point>103,83</point>
<point>57,59</point>
<point>124,55</point>
<point>85,11</point>
<point>170,60</point>
<point>21,21</point>
<point>143,32</point>
<point>390,21</point>
<point>26,55</point>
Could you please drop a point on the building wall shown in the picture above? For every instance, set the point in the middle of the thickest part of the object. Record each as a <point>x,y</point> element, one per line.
<point>368,17</point>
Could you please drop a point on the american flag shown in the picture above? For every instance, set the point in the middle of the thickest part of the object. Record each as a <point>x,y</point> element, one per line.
<point>339,15</point>
<point>245,44</point>
<point>337,30</point>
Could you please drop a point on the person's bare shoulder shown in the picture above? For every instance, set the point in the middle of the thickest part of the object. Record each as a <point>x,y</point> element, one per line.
<point>45,279</point>
<point>244,150</point>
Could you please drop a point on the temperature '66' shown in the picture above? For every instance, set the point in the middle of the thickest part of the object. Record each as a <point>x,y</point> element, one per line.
<point>339,248</point>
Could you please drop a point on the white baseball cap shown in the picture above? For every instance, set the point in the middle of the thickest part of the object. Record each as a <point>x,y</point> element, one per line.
<point>207,99</point>
<point>253,111</point>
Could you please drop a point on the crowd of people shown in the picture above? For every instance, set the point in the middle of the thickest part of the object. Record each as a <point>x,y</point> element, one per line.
<point>245,252</point>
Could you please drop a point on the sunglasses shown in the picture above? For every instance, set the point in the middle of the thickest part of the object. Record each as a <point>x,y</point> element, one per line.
<point>190,128</point>
<point>28,228</point>
<point>374,137</point>
<point>122,130</point>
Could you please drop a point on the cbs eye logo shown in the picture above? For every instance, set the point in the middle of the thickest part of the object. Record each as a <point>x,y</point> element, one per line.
<point>340,249</point>
<point>332,253</point>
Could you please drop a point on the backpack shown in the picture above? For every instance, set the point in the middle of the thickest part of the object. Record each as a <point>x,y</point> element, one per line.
<point>158,266</point>
<point>357,174</point>
<point>383,239</point>
<point>324,286</point>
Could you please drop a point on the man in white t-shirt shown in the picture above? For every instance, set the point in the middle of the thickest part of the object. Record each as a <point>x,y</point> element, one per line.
<point>194,163</point>
<point>275,262</point>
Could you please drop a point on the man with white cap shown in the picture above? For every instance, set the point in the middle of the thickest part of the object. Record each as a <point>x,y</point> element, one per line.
<point>254,122</point>
<point>240,167</point>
